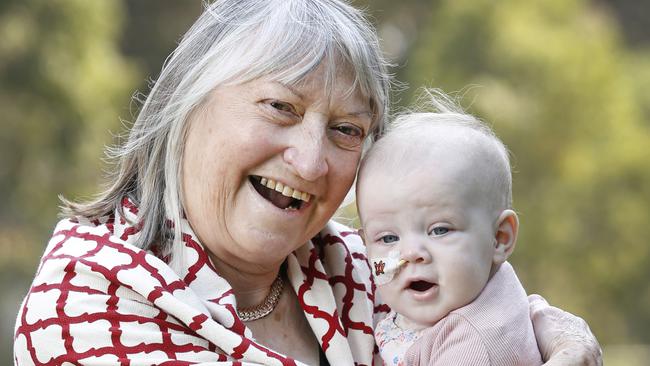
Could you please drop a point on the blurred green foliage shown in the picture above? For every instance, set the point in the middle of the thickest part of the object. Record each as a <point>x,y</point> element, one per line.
<point>64,82</point>
<point>560,80</point>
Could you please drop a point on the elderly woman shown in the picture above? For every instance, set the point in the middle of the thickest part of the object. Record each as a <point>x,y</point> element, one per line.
<point>212,244</point>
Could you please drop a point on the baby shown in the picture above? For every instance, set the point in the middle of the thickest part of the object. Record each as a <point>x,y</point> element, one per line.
<point>434,199</point>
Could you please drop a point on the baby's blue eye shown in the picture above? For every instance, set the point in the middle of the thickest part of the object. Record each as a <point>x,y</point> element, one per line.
<point>440,230</point>
<point>387,239</point>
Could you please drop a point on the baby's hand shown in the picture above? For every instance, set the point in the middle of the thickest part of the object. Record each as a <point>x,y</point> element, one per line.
<point>563,338</point>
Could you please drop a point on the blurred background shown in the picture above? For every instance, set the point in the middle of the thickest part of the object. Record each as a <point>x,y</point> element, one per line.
<point>565,83</point>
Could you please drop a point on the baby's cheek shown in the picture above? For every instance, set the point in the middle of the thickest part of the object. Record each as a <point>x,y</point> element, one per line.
<point>387,294</point>
<point>372,250</point>
<point>469,280</point>
<point>376,250</point>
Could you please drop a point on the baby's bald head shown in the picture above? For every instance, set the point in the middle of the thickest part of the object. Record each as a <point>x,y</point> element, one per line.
<point>449,141</point>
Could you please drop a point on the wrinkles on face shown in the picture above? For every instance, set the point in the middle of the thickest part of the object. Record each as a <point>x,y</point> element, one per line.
<point>264,130</point>
<point>307,155</point>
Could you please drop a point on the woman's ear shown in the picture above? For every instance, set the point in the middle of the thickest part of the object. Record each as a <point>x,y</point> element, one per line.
<point>505,236</point>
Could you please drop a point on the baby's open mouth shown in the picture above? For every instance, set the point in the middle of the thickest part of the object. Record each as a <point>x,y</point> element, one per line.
<point>284,197</point>
<point>420,285</point>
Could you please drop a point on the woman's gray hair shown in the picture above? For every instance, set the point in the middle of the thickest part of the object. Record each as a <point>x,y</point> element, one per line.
<point>233,41</point>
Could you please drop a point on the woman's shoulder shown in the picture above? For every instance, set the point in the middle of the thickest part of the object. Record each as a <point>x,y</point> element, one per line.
<point>85,254</point>
<point>91,285</point>
<point>74,236</point>
<point>79,237</point>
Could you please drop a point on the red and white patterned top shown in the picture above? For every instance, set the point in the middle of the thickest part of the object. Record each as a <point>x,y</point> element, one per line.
<point>99,300</point>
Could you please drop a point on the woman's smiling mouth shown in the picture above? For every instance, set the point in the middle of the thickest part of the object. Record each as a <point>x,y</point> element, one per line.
<point>280,195</point>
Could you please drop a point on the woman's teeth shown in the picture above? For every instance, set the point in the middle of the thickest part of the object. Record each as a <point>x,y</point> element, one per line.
<point>285,190</point>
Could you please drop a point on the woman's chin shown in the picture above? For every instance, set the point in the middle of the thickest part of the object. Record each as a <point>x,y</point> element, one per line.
<point>270,246</point>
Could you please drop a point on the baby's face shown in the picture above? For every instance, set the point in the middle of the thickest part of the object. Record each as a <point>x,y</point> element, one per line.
<point>439,223</point>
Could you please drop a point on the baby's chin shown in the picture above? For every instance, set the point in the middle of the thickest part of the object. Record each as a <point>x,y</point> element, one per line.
<point>405,322</point>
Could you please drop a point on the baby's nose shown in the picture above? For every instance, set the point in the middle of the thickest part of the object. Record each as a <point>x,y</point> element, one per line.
<point>416,252</point>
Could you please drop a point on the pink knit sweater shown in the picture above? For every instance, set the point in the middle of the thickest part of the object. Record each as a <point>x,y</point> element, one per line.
<point>494,329</point>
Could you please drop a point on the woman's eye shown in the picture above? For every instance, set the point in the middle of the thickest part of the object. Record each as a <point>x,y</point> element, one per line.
<point>439,230</point>
<point>387,239</point>
<point>282,106</point>
<point>350,130</point>
<point>348,136</point>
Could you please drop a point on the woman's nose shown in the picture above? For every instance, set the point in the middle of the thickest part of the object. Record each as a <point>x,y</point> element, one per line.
<point>307,151</point>
<point>415,251</point>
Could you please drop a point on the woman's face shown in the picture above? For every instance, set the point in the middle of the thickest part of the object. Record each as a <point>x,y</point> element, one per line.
<point>248,138</point>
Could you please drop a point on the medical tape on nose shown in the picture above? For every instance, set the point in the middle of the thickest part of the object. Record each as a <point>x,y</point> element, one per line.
<point>385,268</point>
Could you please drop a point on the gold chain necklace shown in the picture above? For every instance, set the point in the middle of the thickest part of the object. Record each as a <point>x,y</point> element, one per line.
<point>266,307</point>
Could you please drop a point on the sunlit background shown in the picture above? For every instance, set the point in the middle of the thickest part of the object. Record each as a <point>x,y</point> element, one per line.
<point>565,83</point>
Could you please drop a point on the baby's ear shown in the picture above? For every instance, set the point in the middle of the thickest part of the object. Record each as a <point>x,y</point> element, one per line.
<point>505,236</point>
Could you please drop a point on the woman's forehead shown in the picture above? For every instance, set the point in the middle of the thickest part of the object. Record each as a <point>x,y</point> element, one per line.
<point>333,72</point>
<point>338,84</point>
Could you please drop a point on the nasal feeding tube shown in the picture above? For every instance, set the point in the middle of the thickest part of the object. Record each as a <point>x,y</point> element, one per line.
<point>385,268</point>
